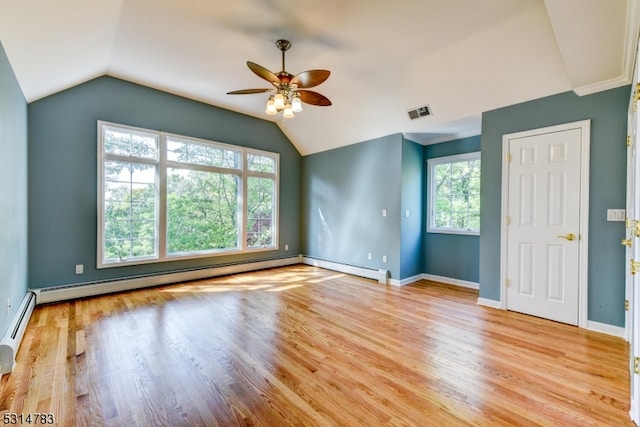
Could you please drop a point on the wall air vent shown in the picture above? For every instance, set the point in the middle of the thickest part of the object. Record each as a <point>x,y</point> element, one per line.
<point>420,112</point>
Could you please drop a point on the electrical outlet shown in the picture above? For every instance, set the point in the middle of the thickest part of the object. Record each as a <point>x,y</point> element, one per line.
<point>384,258</point>
<point>79,268</point>
<point>286,247</point>
<point>369,256</point>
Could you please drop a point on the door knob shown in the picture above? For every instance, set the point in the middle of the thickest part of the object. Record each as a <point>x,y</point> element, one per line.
<point>568,237</point>
<point>626,242</point>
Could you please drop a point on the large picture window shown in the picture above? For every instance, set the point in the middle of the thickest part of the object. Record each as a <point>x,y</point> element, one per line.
<point>164,196</point>
<point>454,194</point>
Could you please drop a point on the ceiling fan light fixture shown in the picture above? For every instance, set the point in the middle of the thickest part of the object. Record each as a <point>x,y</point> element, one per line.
<point>288,112</point>
<point>296,103</point>
<point>271,107</point>
<point>278,101</point>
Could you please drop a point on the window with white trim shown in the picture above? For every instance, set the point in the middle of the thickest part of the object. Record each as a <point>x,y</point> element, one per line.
<point>163,197</point>
<point>454,194</point>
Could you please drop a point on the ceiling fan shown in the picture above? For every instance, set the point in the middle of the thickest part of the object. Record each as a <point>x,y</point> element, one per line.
<point>289,91</point>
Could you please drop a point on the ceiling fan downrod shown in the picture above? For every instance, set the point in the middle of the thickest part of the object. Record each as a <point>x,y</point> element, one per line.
<point>284,46</point>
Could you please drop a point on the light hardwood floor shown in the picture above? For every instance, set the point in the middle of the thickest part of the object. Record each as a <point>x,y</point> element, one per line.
<point>310,347</point>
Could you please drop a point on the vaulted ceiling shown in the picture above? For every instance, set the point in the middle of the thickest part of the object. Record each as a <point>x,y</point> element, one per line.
<point>460,57</point>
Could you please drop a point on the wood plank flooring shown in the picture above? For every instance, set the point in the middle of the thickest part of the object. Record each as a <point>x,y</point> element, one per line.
<point>304,346</point>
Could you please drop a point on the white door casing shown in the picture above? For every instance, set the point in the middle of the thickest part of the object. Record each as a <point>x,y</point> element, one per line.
<point>545,222</point>
<point>632,330</point>
<point>630,214</point>
<point>632,252</point>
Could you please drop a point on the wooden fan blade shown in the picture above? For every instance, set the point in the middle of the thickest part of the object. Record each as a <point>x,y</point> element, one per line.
<point>313,98</point>
<point>248,91</point>
<point>264,73</point>
<point>310,78</point>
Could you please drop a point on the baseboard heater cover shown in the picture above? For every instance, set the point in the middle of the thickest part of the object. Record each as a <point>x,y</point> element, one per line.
<point>379,275</point>
<point>82,290</point>
<point>11,341</point>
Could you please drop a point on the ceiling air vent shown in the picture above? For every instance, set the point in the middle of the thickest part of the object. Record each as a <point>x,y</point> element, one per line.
<point>420,112</point>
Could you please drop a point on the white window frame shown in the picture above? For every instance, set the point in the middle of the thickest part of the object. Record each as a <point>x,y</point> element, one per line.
<point>431,165</point>
<point>162,165</point>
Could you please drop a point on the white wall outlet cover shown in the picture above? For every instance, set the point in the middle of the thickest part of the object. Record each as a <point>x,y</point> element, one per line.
<point>616,214</point>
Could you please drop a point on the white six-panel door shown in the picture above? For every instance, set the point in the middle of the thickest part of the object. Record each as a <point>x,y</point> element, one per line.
<point>543,228</point>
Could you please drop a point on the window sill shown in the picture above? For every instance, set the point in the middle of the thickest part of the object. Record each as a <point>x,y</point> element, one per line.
<point>459,232</point>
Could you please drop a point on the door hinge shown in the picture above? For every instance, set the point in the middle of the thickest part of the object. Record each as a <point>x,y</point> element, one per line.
<point>633,226</point>
<point>509,158</point>
<point>636,96</point>
<point>507,282</point>
<point>626,305</point>
<point>636,365</point>
<point>507,220</point>
<point>628,140</point>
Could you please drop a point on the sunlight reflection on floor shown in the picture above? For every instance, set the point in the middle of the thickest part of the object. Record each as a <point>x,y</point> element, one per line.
<point>277,282</point>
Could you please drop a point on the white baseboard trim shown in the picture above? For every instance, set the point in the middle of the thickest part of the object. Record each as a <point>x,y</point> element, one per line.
<point>490,303</point>
<point>81,290</point>
<point>616,331</point>
<point>406,281</point>
<point>434,278</point>
<point>604,328</point>
<point>451,281</point>
<point>369,273</point>
<point>13,337</point>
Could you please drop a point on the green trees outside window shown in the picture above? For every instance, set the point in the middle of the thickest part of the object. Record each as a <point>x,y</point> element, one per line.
<point>202,211</point>
<point>129,210</point>
<point>454,194</point>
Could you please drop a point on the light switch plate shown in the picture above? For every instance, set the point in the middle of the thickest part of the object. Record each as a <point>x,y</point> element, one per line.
<point>616,214</point>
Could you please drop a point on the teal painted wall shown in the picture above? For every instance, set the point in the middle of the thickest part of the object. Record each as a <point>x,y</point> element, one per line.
<point>608,113</point>
<point>13,193</point>
<point>412,226</point>
<point>345,191</point>
<point>63,179</point>
<point>452,255</point>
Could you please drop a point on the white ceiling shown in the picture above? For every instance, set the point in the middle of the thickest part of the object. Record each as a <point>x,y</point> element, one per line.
<point>461,57</point>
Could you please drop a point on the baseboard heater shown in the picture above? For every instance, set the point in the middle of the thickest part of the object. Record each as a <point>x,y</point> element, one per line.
<point>11,341</point>
<point>370,273</point>
<point>82,290</point>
